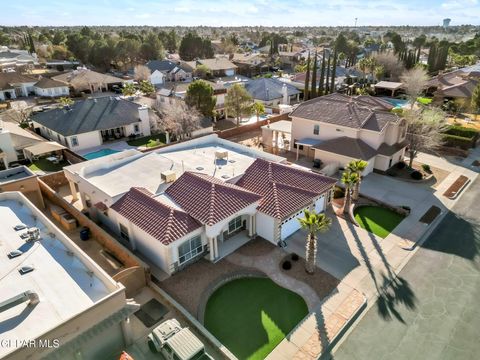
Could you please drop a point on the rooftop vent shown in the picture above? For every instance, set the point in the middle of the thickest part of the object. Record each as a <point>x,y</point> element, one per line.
<point>199,168</point>
<point>15,253</point>
<point>168,176</point>
<point>221,154</point>
<point>19,227</point>
<point>26,269</point>
<point>225,176</point>
<point>231,161</point>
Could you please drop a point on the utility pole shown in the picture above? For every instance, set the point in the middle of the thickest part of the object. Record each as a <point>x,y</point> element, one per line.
<point>356,22</point>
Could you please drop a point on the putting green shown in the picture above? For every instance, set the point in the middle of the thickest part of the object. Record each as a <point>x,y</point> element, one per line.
<point>251,316</point>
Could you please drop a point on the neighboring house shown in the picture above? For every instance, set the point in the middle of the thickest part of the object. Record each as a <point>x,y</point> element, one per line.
<point>51,88</point>
<point>94,310</point>
<point>89,81</point>
<point>289,58</point>
<point>91,122</point>
<point>218,66</point>
<point>13,140</point>
<point>337,129</point>
<point>250,64</point>
<point>455,84</point>
<point>272,92</point>
<point>185,206</point>
<point>10,59</point>
<point>22,179</point>
<point>166,70</point>
<point>14,85</point>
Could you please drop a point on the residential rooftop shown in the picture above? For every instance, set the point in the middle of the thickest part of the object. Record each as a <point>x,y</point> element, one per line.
<point>64,279</point>
<point>14,174</point>
<point>117,173</point>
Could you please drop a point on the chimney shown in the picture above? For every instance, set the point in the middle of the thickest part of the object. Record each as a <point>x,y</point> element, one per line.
<point>285,94</point>
<point>144,117</point>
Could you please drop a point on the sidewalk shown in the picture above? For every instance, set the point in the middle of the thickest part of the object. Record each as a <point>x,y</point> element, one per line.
<point>367,265</point>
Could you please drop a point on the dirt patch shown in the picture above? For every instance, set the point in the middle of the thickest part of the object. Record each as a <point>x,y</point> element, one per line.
<point>252,138</point>
<point>438,175</point>
<point>456,187</point>
<point>188,285</point>
<point>321,282</point>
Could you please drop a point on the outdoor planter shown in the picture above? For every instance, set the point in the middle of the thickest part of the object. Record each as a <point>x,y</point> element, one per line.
<point>286,265</point>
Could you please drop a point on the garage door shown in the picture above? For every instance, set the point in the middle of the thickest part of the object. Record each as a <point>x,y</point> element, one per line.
<point>320,204</point>
<point>290,225</point>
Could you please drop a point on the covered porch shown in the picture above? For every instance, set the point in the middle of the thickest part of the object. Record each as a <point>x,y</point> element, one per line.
<point>235,232</point>
<point>306,145</point>
<point>277,136</point>
<point>113,134</point>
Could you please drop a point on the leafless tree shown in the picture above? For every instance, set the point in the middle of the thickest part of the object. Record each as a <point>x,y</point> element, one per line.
<point>176,118</point>
<point>414,82</point>
<point>141,72</point>
<point>20,116</point>
<point>424,130</point>
<point>393,67</point>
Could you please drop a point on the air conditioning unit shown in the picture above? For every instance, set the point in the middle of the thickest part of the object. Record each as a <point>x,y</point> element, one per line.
<point>33,234</point>
<point>169,176</point>
<point>221,154</point>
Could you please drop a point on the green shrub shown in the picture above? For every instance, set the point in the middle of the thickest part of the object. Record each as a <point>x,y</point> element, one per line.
<point>458,141</point>
<point>397,111</point>
<point>416,175</point>
<point>424,100</point>
<point>426,168</point>
<point>462,132</point>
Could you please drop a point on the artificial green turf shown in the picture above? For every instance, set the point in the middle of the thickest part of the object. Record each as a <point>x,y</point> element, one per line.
<point>148,141</point>
<point>250,316</point>
<point>46,166</point>
<point>377,220</point>
<point>424,100</point>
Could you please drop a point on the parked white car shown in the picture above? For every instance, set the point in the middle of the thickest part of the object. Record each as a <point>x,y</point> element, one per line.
<point>176,343</point>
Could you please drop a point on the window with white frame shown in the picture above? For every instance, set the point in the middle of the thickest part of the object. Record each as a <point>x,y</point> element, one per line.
<point>74,141</point>
<point>124,232</point>
<point>189,249</point>
<point>235,224</point>
<point>136,128</point>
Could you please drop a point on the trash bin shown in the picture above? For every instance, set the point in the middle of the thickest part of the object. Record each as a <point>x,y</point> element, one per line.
<point>85,234</point>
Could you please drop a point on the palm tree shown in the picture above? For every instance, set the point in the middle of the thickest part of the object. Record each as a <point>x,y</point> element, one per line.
<point>349,179</point>
<point>313,223</point>
<point>259,109</point>
<point>357,167</point>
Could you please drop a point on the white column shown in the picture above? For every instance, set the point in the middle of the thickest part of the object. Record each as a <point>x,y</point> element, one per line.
<point>127,331</point>
<point>250,225</point>
<point>212,249</point>
<point>5,162</point>
<point>297,150</point>
<point>215,242</point>
<point>73,190</point>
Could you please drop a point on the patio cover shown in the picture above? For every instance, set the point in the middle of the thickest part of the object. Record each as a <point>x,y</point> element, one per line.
<point>284,126</point>
<point>44,148</point>
<point>390,85</point>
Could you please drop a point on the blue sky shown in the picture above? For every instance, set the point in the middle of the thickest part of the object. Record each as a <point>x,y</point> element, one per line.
<point>238,12</point>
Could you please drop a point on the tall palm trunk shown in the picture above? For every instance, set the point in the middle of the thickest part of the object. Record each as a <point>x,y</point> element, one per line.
<point>348,200</point>
<point>311,253</point>
<point>356,190</point>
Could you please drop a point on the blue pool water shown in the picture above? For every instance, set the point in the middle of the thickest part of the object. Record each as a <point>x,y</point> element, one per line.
<point>398,103</point>
<point>100,153</point>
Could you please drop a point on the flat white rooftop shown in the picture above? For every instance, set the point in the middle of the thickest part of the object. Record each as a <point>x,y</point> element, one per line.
<point>116,174</point>
<point>64,281</point>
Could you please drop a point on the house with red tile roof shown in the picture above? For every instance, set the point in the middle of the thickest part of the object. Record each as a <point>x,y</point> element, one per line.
<point>337,128</point>
<point>204,198</point>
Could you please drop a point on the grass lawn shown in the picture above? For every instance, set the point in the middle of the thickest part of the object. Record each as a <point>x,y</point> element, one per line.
<point>148,141</point>
<point>424,100</point>
<point>251,316</point>
<point>46,166</point>
<point>377,220</point>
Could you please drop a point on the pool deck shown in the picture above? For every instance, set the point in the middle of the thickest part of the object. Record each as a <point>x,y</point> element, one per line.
<point>114,145</point>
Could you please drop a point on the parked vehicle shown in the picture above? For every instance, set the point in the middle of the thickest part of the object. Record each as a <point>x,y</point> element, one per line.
<point>176,343</point>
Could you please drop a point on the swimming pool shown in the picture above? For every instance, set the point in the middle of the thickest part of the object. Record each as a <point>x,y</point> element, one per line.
<point>100,153</point>
<point>398,103</point>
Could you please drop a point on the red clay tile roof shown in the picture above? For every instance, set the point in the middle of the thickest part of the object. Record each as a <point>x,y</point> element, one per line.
<point>161,221</point>
<point>207,199</point>
<point>285,189</point>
